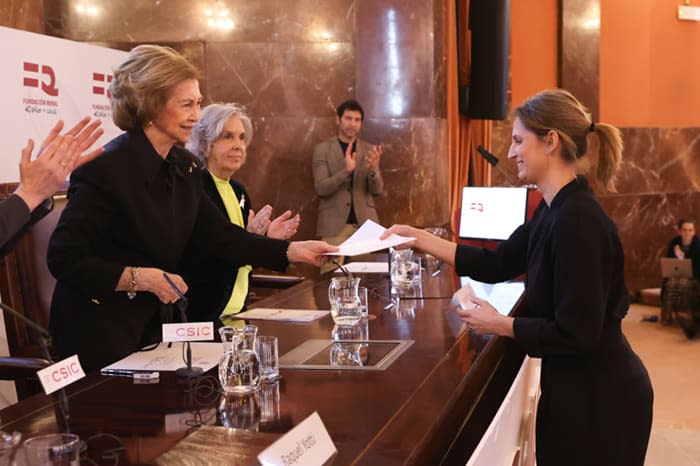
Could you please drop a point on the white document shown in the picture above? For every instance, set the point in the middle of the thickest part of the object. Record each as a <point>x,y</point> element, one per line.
<point>503,296</point>
<point>287,315</point>
<point>162,358</point>
<point>366,240</point>
<point>365,267</point>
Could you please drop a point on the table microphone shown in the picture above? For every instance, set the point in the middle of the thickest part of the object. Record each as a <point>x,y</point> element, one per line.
<point>45,343</point>
<point>181,305</point>
<point>493,161</point>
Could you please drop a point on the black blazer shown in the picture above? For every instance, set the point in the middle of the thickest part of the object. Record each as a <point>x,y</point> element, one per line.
<point>692,254</point>
<point>208,297</point>
<point>130,207</point>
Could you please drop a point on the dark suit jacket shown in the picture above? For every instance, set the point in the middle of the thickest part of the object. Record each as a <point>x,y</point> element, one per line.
<point>692,254</point>
<point>208,297</point>
<point>16,219</point>
<point>130,207</point>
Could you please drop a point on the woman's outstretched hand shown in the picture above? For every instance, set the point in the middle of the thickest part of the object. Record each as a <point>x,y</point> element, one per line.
<point>310,252</point>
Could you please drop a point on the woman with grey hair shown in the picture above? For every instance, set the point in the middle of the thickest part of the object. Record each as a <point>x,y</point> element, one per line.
<point>220,139</point>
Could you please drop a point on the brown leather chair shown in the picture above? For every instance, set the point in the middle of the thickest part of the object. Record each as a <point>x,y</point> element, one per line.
<point>26,285</point>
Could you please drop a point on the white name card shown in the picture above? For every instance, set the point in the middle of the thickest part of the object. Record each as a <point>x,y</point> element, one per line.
<point>190,331</point>
<point>61,374</point>
<point>308,444</point>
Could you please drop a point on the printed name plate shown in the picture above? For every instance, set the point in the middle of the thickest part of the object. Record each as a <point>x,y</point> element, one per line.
<point>190,331</point>
<point>61,374</point>
<point>308,444</point>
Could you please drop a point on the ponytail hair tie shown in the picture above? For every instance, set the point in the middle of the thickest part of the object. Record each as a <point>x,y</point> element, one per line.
<point>592,127</point>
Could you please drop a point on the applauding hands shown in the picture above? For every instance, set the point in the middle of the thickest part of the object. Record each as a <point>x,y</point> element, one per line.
<point>58,156</point>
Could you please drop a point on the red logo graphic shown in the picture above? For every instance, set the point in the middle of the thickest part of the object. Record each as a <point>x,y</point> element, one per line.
<point>477,206</point>
<point>103,80</point>
<point>48,87</point>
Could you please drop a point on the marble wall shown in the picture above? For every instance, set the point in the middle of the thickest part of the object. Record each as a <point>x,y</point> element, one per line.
<point>291,64</point>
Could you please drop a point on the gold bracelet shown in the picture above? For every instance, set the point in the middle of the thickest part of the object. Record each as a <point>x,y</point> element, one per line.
<point>132,283</point>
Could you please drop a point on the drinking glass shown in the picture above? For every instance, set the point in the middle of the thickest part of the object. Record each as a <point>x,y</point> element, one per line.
<point>343,294</point>
<point>269,400</point>
<point>401,267</point>
<point>432,262</point>
<point>363,294</point>
<point>268,352</point>
<point>57,449</point>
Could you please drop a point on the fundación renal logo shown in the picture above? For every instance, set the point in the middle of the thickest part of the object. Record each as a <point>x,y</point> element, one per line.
<point>31,78</point>
<point>100,86</point>
<point>40,77</point>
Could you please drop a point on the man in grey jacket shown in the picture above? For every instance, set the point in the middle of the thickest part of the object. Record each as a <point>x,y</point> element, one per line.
<point>346,177</point>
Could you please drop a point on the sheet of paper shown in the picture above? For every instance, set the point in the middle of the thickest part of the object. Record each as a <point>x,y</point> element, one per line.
<point>286,315</point>
<point>366,267</point>
<point>162,358</point>
<point>366,240</point>
<point>502,296</point>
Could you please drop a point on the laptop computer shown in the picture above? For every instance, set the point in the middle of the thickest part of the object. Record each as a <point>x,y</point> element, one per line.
<point>678,268</point>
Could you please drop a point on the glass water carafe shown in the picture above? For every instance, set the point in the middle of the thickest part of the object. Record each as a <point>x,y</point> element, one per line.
<point>239,369</point>
<point>343,294</point>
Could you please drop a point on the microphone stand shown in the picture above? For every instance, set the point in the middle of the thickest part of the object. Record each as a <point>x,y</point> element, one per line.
<point>181,305</point>
<point>44,343</point>
<point>493,161</point>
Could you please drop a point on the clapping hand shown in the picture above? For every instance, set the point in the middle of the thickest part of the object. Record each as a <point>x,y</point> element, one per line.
<point>58,156</point>
<point>373,157</point>
<point>285,226</point>
<point>350,159</point>
<point>260,222</point>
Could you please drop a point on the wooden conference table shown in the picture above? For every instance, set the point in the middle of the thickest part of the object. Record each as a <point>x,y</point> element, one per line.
<point>431,406</point>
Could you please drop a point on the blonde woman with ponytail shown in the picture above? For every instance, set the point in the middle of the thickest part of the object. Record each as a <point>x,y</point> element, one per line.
<point>596,402</point>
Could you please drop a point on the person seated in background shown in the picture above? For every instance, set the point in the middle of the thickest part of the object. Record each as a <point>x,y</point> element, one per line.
<point>346,178</point>
<point>686,245</point>
<point>220,140</point>
<point>680,296</point>
<point>40,178</point>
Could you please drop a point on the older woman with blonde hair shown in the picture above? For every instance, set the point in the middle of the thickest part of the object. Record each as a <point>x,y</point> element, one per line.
<point>138,213</point>
<point>596,403</point>
<point>220,140</point>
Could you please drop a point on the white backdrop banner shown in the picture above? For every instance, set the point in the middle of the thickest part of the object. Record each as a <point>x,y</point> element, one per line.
<point>45,79</point>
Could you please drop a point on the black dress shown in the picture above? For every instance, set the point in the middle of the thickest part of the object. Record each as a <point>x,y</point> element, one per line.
<point>209,294</point>
<point>130,207</point>
<point>596,403</point>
